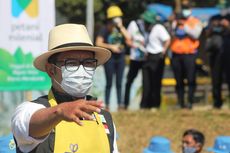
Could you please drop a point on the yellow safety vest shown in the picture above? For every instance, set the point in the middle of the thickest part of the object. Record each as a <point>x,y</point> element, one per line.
<point>72,138</point>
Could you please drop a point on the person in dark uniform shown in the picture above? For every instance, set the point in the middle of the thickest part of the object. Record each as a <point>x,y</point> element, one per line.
<point>67,119</point>
<point>217,45</point>
<point>214,46</point>
<point>225,22</point>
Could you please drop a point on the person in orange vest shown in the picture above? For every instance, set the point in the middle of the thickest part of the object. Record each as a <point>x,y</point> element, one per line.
<point>186,31</point>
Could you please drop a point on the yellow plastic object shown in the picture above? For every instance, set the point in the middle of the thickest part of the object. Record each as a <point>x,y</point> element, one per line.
<point>114,11</point>
<point>167,61</point>
<point>168,82</point>
<point>199,61</point>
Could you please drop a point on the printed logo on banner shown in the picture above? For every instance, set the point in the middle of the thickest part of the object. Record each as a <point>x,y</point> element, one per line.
<point>30,7</point>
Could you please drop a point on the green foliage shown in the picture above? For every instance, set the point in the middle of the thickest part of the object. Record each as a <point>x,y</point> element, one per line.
<point>75,10</point>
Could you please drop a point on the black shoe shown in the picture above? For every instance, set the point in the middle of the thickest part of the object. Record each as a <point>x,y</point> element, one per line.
<point>189,106</point>
<point>179,106</point>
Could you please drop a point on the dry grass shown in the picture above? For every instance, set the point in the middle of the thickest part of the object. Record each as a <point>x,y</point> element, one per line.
<point>135,128</point>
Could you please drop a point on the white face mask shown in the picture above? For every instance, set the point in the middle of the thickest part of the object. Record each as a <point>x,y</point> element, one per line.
<point>76,83</point>
<point>186,12</point>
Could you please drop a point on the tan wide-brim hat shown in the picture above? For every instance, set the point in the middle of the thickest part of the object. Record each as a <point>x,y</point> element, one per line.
<point>70,37</point>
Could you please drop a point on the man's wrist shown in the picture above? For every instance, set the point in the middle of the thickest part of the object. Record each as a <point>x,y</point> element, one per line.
<point>58,112</point>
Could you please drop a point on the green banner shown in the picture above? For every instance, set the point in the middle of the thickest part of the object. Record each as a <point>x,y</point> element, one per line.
<point>18,73</point>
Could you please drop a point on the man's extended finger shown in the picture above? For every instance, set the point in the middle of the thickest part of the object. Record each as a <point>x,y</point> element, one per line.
<point>86,116</point>
<point>90,108</point>
<point>96,103</point>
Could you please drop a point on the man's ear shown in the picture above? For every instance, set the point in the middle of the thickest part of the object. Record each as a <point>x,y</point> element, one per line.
<point>49,69</point>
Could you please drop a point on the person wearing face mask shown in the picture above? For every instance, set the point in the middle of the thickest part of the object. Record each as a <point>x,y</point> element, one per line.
<point>184,48</point>
<point>225,22</point>
<point>139,30</point>
<point>113,36</point>
<point>153,67</point>
<point>214,47</point>
<point>192,141</point>
<point>67,119</point>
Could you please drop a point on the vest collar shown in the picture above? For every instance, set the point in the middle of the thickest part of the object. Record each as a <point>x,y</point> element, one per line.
<point>62,97</point>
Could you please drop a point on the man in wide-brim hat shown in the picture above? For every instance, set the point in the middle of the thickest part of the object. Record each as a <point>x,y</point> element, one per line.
<point>67,119</point>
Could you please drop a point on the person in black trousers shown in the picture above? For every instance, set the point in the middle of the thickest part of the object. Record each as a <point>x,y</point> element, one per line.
<point>152,74</point>
<point>226,45</point>
<point>153,67</point>
<point>214,46</point>
<point>113,36</point>
<point>184,47</point>
<point>218,44</point>
<point>139,30</point>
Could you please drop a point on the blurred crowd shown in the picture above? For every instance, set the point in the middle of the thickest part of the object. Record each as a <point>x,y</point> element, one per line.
<point>148,41</point>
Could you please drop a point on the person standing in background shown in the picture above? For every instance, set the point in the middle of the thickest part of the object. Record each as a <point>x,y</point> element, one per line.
<point>225,22</point>
<point>113,36</point>
<point>139,31</point>
<point>156,46</point>
<point>214,46</point>
<point>186,32</point>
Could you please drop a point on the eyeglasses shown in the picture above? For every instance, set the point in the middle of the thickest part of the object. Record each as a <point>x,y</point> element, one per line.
<point>72,65</point>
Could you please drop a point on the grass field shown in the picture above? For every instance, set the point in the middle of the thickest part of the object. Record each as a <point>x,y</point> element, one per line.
<point>135,128</point>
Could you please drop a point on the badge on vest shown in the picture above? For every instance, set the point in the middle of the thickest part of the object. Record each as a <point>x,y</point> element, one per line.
<point>102,118</point>
<point>106,129</point>
<point>104,123</point>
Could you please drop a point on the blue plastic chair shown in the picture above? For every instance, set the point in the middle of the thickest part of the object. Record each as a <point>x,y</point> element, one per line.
<point>158,144</point>
<point>7,144</point>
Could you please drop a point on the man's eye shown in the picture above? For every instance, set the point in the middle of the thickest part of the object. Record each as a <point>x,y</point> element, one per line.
<point>73,63</point>
<point>89,64</point>
<point>60,63</point>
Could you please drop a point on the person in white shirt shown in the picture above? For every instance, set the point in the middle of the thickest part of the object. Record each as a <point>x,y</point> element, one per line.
<point>139,31</point>
<point>156,46</point>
